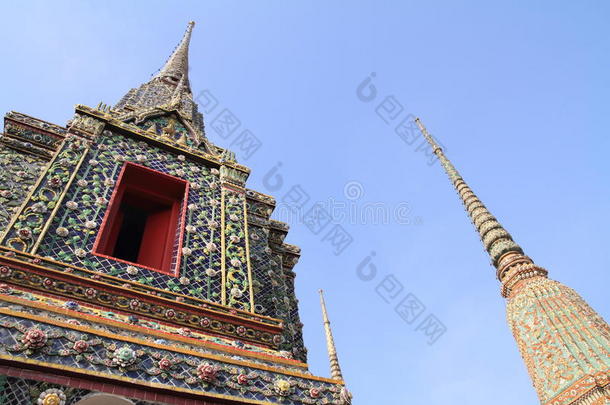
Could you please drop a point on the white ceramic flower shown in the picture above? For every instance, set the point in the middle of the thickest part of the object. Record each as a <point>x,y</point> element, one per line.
<point>211,272</point>
<point>72,205</point>
<point>235,262</point>
<point>190,228</point>
<point>132,270</point>
<point>90,224</point>
<point>61,231</point>
<point>39,207</point>
<point>186,251</point>
<point>184,280</point>
<point>211,246</point>
<point>233,217</point>
<point>82,183</point>
<point>80,252</point>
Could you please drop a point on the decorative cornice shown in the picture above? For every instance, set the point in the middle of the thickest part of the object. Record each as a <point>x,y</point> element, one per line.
<point>295,370</point>
<point>25,147</point>
<point>38,124</point>
<point>203,395</point>
<point>514,268</point>
<point>135,328</point>
<point>152,302</point>
<point>135,132</point>
<point>589,390</point>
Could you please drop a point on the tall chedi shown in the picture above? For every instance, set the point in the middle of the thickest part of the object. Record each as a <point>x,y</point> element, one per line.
<point>136,267</point>
<point>565,343</point>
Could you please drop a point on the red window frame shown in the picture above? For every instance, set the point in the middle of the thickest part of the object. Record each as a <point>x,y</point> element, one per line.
<point>165,198</point>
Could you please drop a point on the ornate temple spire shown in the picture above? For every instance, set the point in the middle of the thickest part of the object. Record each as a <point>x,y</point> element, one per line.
<point>496,240</point>
<point>176,67</point>
<point>565,344</point>
<point>335,369</point>
<point>168,92</point>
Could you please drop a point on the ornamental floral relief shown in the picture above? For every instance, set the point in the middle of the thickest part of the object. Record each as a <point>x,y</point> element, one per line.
<point>23,339</point>
<point>237,279</point>
<point>52,396</point>
<point>546,319</point>
<point>28,134</point>
<point>85,123</point>
<point>18,173</point>
<point>32,217</point>
<point>217,248</point>
<point>78,220</point>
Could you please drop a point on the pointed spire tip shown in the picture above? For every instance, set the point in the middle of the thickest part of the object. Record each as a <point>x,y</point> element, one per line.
<point>335,368</point>
<point>176,66</point>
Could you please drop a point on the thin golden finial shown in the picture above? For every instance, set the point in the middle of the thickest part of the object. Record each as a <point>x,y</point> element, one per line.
<point>335,369</point>
<point>497,241</point>
<point>177,65</point>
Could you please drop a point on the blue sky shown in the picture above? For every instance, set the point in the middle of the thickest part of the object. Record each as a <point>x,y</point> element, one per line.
<point>517,92</point>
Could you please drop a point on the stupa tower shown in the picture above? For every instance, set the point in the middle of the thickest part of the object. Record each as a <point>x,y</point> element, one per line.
<point>565,344</point>
<point>136,267</point>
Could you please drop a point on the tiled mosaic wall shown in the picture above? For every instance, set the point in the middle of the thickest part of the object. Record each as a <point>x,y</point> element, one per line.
<point>74,210</point>
<point>18,172</point>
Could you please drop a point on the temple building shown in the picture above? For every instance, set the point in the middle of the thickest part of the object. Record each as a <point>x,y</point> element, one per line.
<point>565,344</point>
<point>137,268</point>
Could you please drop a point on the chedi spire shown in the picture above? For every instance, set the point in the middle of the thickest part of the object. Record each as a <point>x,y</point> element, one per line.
<point>565,344</point>
<point>168,92</point>
<point>176,67</point>
<point>335,368</point>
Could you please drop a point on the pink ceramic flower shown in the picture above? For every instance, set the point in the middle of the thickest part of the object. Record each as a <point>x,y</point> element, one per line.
<point>34,338</point>
<point>207,372</point>
<point>314,393</point>
<point>165,364</point>
<point>80,346</point>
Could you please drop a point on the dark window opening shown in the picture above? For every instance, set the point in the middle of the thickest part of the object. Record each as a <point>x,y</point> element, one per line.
<point>142,221</point>
<point>130,233</point>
